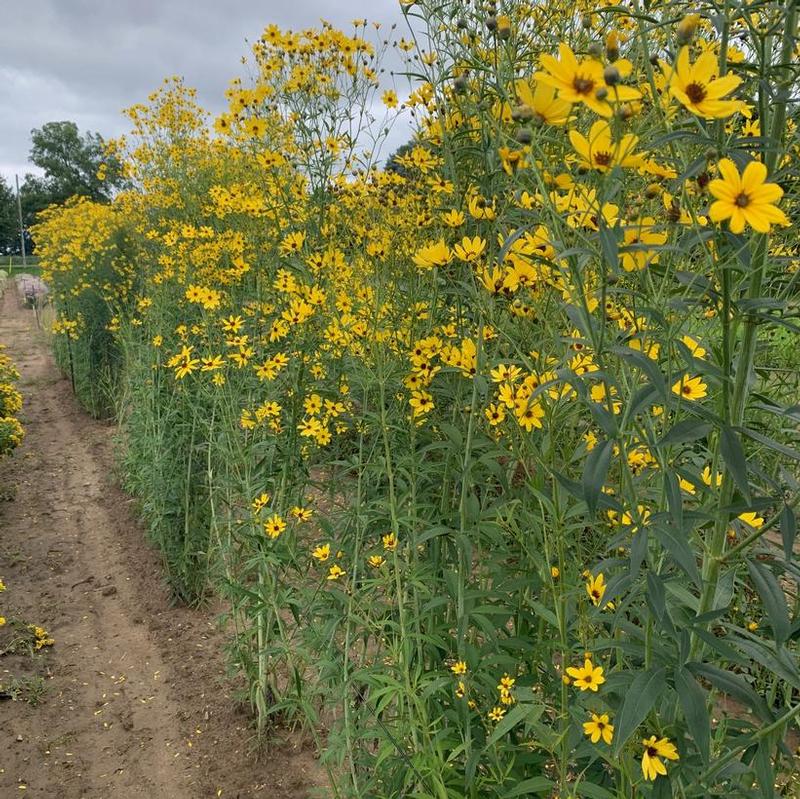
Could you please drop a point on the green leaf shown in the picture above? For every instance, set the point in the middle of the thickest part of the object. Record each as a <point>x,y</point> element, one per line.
<point>788,524</point>
<point>770,443</point>
<point>639,699</point>
<point>773,599</point>
<point>594,475</point>
<point>683,431</point>
<point>511,719</point>
<point>529,786</point>
<point>693,700</point>
<point>735,686</point>
<point>678,546</point>
<point>733,455</point>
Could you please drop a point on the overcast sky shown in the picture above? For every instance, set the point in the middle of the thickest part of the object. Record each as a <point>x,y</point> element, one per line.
<point>85,60</point>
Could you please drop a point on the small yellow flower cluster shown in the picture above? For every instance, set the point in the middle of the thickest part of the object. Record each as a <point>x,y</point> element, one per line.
<point>11,431</point>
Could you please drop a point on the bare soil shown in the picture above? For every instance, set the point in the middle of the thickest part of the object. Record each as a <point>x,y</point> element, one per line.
<point>136,704</point>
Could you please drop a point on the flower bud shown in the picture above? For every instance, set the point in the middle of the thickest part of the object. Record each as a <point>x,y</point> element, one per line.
<point>601,93</point>
<point>460,84</point>
<point>611,75</point>
<point>686,28</point>
<point>586,21</point>
<point>595,50</point>
<point>521,113</point>
<point>524,135</point>
<point>652,191</point>
<point>491,23</point>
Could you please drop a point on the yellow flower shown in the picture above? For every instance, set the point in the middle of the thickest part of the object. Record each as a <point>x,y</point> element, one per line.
<point>588,677</point>
<point>595,587</point>
<point>496,714</point>
<point>321,553</point>
<point>274,526</point>
<point>389,542</point>
<point>470,249</point>
<point>436,254</point>
<point>654,750</point>
<point>599,728</point>
<point>600,152</point>
<point>751,519</point>
<point>335,572</point>
<point>638,234</point>
<point>459,667</point>
<point>579,81</point>
<point>541,100</point>
<point>690,388</point>
<point>746,199</point>
<point>696,88</point>
<point>495,414</point>
<point>555,572</point>
<point>389,98</point>
<point>376,561</point>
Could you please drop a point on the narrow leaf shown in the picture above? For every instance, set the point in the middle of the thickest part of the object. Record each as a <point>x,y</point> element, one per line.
<point>639,699</point>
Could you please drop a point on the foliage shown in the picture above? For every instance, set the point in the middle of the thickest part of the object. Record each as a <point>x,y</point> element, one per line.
<point>475,449</point>
<point>11,432</point>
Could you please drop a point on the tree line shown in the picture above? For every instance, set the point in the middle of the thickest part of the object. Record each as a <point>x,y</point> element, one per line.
<point>70,162</point>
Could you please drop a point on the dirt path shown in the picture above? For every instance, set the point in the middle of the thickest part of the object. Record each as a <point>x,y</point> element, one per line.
<point>135,704</point>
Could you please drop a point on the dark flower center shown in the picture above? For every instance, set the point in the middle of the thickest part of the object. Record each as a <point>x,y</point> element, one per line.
<point>652,751</point>
<point>582,85</point>
<point>602,159</point>
<point>696,92</point>
<point>687,389</point>
<point>742,200</point>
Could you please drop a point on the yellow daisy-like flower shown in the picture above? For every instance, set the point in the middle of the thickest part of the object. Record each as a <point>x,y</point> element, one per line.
<point>459,667</point>
<point>690,388</point>
<point>600,152</point>
<point>696,88</point>
<point>335,572</point>
<point>321,553</point>
<point>596,588</point>
<point>746,199</point>
<point>274,526</point>
<point>588,677</point>
<point>546,108</point>
<point>654,750</point>
<point>598,728</point>
<point>580,81</point>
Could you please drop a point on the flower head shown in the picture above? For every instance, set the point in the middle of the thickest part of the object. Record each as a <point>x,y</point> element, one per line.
<point>599,728</point>
<point>746,199</point>
<point>696,88</point>
<point>588,677</point>
<point>654,750</point>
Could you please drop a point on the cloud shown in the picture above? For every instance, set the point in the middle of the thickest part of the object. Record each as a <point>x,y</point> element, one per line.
<point>86,60</point>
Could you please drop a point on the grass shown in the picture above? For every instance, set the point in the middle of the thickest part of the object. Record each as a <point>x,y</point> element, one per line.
<point>13,264</point>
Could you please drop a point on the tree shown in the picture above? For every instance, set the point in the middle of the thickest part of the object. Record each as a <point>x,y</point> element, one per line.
<point>70,162</point>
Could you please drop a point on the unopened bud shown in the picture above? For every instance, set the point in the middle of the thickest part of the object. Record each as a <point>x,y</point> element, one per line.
<point>652,191</point>
<point>624,112</point>
<point>524,135</point>
<point>491,23</point>
<point>521,113</point>
<point>601,93</point>
<point>595,50</point>
<point>586,21</point>
<point>611,75</point>
<point>460,84</point>
<point>711,154</point>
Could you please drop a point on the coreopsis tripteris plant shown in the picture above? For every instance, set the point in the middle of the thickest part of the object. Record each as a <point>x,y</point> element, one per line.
<point>483,349</point>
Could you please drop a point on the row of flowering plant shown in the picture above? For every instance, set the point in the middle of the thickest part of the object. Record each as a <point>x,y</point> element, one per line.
<point>491,450</point>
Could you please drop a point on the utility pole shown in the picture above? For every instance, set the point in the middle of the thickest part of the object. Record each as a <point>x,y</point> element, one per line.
<point>21,227</point>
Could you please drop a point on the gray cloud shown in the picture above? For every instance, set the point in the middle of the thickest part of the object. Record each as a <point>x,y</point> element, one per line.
<point>86,60</point>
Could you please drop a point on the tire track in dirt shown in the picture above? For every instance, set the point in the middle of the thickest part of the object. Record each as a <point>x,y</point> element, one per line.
<point>136,705</point>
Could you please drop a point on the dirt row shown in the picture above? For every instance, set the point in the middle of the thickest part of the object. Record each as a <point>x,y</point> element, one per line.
<point>132,700</point>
